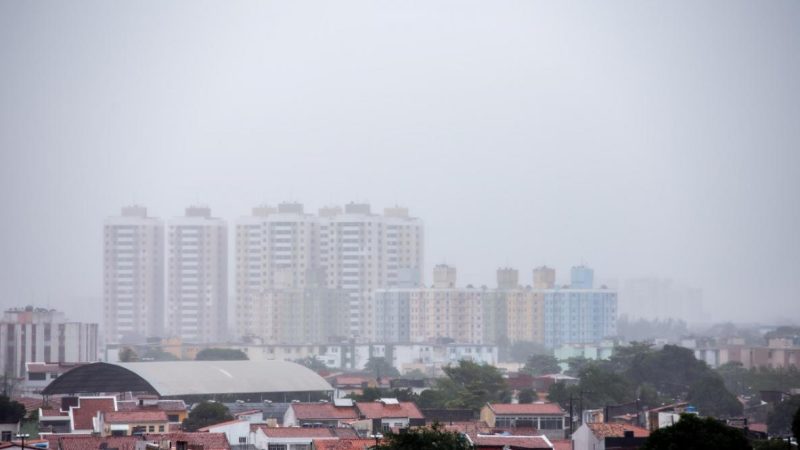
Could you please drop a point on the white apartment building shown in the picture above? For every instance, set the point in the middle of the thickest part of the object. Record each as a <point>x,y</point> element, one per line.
<point>198,277</point>
<point>133,276</point>
<point>43,335</point>
<point>349,249</point>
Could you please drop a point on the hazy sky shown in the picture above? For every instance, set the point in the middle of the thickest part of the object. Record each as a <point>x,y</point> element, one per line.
<point>643,138</point>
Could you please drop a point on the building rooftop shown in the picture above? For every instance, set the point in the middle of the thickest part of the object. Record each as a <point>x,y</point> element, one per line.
<point>516,442</point>
<point>527,408</point>
<point>604,430</point>
<point>134,416</point>
<point>87,409</point>
<point>181,378</point>
<point>382,410</point>
<point>323,411</point>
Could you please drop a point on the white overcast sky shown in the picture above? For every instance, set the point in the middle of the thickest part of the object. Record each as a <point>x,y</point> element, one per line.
<point>643,138</point>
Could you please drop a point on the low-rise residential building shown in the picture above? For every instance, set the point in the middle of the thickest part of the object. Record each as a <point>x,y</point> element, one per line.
<point>601,436</point>
<point>131,423</point>
<point>507,441</point>
<point>236,431</point>
<point>385,414</point>
<point>548,418</point>
<point>296,438</point>
<point>336,414</point>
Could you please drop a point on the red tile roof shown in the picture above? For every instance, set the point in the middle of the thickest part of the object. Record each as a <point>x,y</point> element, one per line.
<point>561,444</point>
<point>87,409</point>
<point>209,441</point>
<point>322,411</point>
<point>344,444</point>
<point>85,442</point>
<point>532,442</point>
<point>297,432</point>
<point>351,380</point>
<point>527,409</point>
<point>379,410</point>
<point>604,430</point>
<point>135,416</point>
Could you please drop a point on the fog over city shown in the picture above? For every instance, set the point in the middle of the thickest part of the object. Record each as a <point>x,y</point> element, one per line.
<point>642,139</point>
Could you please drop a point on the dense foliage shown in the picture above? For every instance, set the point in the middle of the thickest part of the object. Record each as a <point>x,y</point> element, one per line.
<point>694,433</point>
<point>780,421</point>
<point>313,363</point>
<point>205,414</point>
<point>637,373</point>
<point>381,368</point>
<point>10,410</point>
<point>796,424</point>
<point>220,354</point>
<point>743,381</point>
<point>127,354</point>
<point>541,365</point>
<point>156,354</point>
<point>432,437</point>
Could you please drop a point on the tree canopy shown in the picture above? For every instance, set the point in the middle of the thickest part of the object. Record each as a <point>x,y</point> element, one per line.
<point>434,436</point>
<point>468,385</point>
<point>220,354</point>
<point>780,421</point>
<point>11,411</point>
<point>381,368</point>
<point>205,414</point>
<point>694,433</point>
<point>157,354</point>
<point>127,354</point>
<point>541,364</point>
<point>796,424</point>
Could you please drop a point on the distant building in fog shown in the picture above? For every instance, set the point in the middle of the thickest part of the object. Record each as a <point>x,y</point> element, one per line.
<point>349,249</point>
<point>654,298</point>
<point>133,276</point>
<point>42,335</point>
<point>544,278</point>
<point>198,277</point>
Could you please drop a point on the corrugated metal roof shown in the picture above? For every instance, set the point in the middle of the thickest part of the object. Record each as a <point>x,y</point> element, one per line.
<point>179,378</point>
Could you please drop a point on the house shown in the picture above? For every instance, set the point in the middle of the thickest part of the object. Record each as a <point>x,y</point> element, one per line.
<point>387,413</point>
<point>130,423</point>
<point>175,410</point>
<point>250,415</point>
<point>334,414</point>
<point>343,444</point>
<point>165,441</point>
<point>602,436</point>
<point>8,431</point>
<point>549,418</point>
<point>188,441</point>
<point>83,416</point>
<point>503,442</point>
<point>296,438</point>
<point>236,431</point>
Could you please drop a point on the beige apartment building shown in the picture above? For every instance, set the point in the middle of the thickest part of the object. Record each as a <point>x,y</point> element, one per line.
<point>349,249</point>
<point>133,276</point>
<point>198,277</point>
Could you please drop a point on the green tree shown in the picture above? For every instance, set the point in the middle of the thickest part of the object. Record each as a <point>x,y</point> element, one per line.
<point>205,414</point>
<point>603,387</point>
<point>541,364</point>
<point>576,365</point>
<point>432,437</point>
<point>381,368</point>
<point>772,444</point>
<point>127,354</point>
<point>11,411</point>
<point>526,396</point>
<point>470,385</point>
<point>709,395</point>
<point>694,433</point>
<point>220,354</point>
<point>780,420</point>
<point>796,424</point>
<point>157,354</point>
<point>313,363</point>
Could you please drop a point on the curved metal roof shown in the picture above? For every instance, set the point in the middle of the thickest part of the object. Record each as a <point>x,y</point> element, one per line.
<point>177,378</point>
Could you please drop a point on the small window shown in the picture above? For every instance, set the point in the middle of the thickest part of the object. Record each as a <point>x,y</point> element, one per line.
<point>161,428</point>
<point>243,440</point>
<point>152,428</point>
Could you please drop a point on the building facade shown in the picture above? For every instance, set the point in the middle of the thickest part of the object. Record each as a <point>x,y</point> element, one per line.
<point>42,335</point>
<point>133,276</point>
<point>349,249</point>
<point>198,277</point>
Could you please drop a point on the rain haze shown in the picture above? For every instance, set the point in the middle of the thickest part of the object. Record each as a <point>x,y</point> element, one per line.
<point>645,139</point>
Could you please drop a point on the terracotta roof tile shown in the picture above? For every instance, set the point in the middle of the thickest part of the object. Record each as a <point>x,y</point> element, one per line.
<point>527,408</point>
<point>604,430</point>
<point>561,444</point>
<point>229,422</point>
<point>84,442</point>
<point>297,432</point>
<point>87,409</point>
<point>134,416</point>
<point>344,444</point>
<point>209,441</point>
<point>379,410</point>
<point>162,405</point>
<point>322,411</point>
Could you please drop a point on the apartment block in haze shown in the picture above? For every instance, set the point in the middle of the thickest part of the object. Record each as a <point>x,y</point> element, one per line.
<point>349,249</point>
<point>46,336</point>
<point>198,277</point>
<point>133,276</point>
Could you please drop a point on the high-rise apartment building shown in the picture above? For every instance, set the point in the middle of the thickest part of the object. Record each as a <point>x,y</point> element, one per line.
<point>198,277</point>
<point>43,335</point>
<point>544,278</point>
<point>349,249</point>
<point>133,276</point>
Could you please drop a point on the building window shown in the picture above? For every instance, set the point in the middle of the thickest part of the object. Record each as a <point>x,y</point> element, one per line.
<point>242,440</point>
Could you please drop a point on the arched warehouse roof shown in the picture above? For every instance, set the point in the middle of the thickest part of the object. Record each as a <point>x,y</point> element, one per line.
<point>184,378</point>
